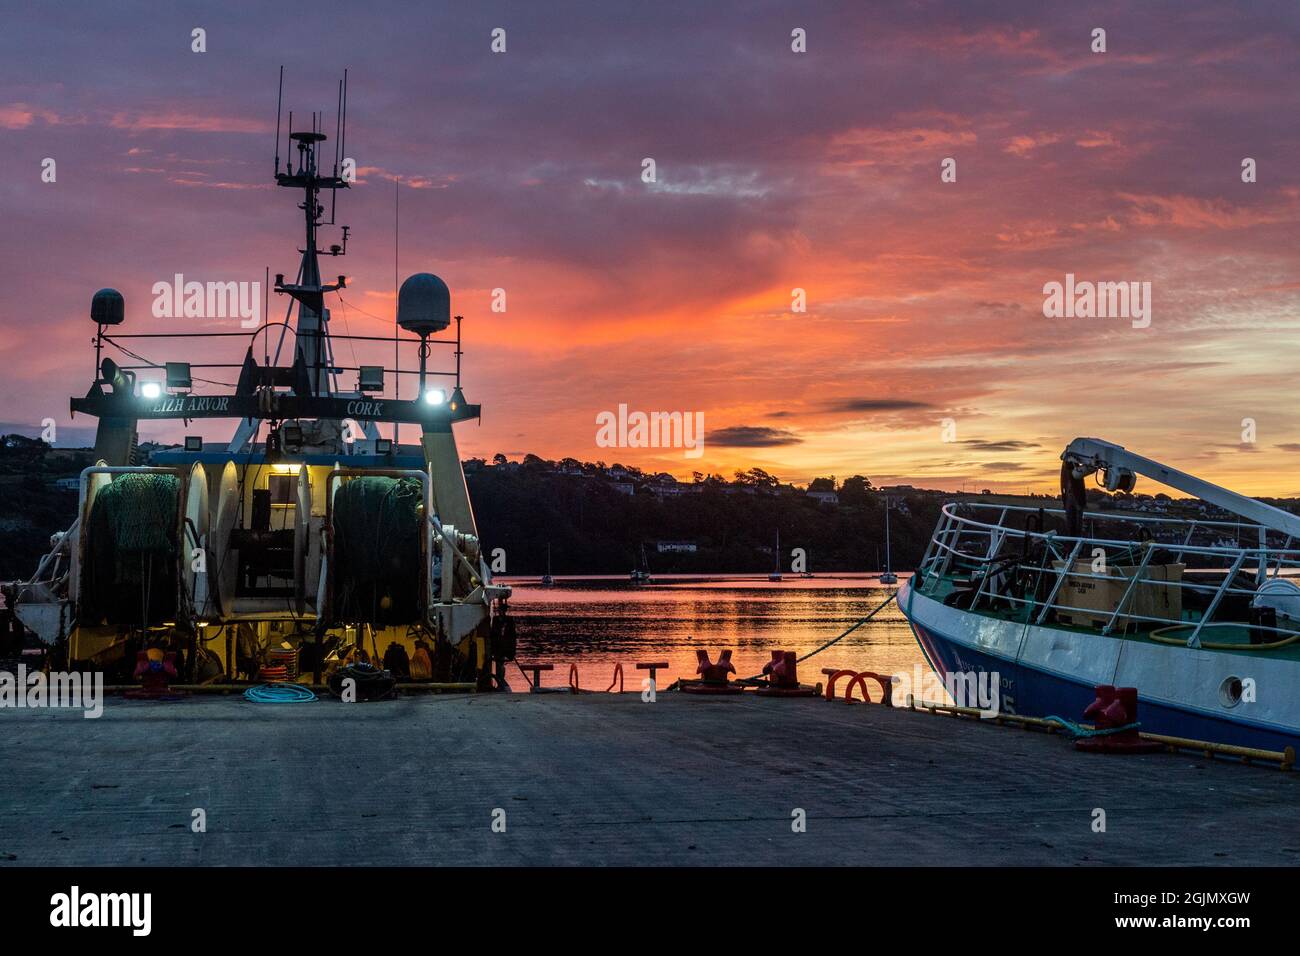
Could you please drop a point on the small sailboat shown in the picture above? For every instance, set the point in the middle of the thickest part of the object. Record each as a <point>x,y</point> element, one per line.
<point>776,574</point>
<point>547,580</point>
<point>887,576</point>
<point>641,573</point>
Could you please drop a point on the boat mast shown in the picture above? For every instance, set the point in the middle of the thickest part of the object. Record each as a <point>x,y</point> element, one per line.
<point>887,507</point>
<point>311,327</point>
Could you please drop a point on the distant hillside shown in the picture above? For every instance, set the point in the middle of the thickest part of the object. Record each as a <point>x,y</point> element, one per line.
<point>31,506</point>
<point>597,518</point>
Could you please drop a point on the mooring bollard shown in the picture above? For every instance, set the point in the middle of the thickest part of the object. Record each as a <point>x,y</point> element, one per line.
<point>714,678</point>
<point>783,677</point>
<point>652,666</point>
<point>1114,714</point>
<point>537,676</point>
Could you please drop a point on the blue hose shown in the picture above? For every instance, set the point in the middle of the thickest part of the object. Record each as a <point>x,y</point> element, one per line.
<point>279,694</point>
<point>1076,730</point>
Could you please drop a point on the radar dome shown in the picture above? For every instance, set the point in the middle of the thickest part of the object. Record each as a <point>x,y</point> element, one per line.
<point>424,304</point>
<point>107,307</point>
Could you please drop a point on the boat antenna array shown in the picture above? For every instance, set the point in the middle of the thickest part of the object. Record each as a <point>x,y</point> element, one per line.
<point>340,142</point>
<point>424,310</point>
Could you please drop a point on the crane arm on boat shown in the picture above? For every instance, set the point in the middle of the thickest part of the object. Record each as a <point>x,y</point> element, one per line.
<point>1120,467</point>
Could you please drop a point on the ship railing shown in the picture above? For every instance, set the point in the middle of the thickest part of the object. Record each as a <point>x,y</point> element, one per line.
<point>992,550</point>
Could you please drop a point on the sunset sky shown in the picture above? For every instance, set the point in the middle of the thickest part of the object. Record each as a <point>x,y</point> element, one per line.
<point>776,170</point>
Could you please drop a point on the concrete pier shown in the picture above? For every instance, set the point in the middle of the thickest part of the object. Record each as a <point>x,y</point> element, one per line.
<point>605,779</point>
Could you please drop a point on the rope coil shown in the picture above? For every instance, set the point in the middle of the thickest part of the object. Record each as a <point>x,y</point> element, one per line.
<point>279,694</point>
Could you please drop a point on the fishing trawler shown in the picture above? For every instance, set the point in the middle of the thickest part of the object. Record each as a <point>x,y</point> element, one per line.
<point>307,538</point>
<point>1201,615</point>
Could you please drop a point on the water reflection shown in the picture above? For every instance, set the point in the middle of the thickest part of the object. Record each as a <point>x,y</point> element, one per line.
<point>595,622</point>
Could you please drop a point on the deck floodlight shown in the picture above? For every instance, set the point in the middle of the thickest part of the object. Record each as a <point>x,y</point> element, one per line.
<point>151,389</point>
<point>194,443</point>
<point>371,378</point>
<point>435,396</point>
<point>178,375</point>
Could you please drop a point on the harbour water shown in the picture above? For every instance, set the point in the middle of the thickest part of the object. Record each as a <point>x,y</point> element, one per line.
<point>597,621</point>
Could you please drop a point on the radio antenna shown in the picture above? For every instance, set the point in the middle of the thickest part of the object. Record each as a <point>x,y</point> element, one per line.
<point>279,101</point>
<point>338,130</point>
<point>343,136</point>
<point>338,127</point>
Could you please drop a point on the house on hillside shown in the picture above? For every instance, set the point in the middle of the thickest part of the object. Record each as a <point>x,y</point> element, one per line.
<point>675,547</point>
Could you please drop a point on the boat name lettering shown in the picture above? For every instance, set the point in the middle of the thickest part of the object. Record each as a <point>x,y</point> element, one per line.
<point>192,403</point>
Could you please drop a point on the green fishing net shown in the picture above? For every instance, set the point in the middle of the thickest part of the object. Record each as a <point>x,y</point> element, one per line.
<point>130,570</point>
<point>377,553</point>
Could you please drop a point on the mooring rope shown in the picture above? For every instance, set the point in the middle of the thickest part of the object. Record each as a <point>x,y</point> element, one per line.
<point>1078,730</point>
<point>835,640</point>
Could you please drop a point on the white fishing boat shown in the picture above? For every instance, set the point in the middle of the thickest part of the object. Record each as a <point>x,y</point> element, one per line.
<point>1201,616</point>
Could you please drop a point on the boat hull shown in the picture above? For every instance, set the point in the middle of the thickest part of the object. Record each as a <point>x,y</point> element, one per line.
<point>1045,671</point>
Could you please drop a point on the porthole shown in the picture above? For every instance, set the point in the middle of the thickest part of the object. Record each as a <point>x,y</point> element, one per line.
<point>1230,691</point>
